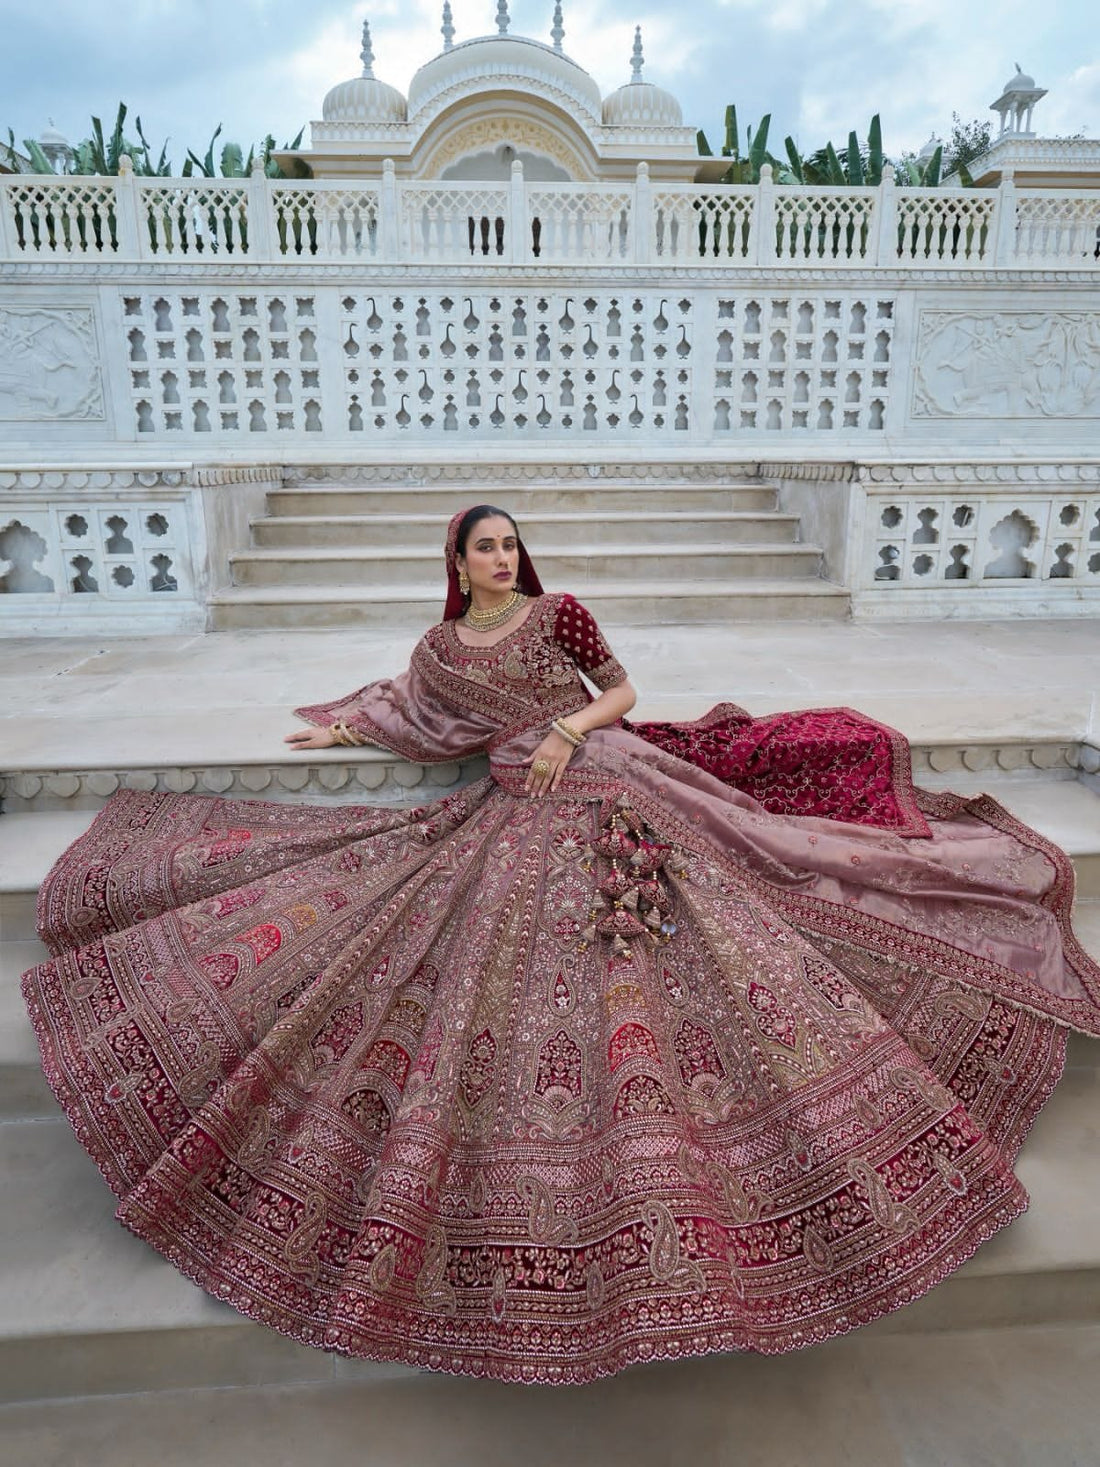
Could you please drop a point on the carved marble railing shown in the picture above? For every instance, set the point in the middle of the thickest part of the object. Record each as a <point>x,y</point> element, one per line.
<point>390,221</point>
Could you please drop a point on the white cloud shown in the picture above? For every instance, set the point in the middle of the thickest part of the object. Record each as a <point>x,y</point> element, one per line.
<point>1073,105</point>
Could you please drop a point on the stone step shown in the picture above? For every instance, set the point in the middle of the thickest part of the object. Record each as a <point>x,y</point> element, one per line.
<point>590,530</point>
<point>979,1398</point>
<point>594,496</point>
<point>625,603</point>
<point>24,1093</point>
<point>607,567</point>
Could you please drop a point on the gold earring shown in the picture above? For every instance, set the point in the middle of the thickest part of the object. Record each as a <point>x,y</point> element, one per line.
<point>464,583</point>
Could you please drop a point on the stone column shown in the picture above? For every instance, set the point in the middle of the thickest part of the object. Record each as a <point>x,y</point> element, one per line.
<point>765,218</point>
<point>1006,220</point>
<point>886,220</point>
<point>131,245</point>
<point>642,222</point>
<point>261,236</point>
<point>518,248</point>
<point>388,208</point>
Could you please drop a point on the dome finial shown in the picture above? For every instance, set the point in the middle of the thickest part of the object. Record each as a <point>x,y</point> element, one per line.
<point>637,60</point>
<point>447,28</point>
<point>366,53</point>
<point>557,33</point>
<point>503,18</point>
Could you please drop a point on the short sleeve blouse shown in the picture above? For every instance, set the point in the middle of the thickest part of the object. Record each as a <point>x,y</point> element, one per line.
<point>578,636</point>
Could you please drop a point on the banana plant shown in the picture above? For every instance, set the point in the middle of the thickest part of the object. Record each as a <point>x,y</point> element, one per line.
<point>743,168</point>
<point>233,163</point>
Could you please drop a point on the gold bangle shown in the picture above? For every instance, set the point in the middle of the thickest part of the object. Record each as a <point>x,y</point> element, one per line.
<point>568,732</point>
<point>342,734</point>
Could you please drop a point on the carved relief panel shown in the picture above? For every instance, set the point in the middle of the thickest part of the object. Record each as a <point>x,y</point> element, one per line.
<point>49,365</point>
<point>1007,364</point>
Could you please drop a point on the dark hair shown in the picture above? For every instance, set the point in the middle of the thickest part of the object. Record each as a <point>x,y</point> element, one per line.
<point>471,518</point>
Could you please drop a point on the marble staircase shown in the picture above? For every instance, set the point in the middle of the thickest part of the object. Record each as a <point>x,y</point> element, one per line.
<point>329,554</point>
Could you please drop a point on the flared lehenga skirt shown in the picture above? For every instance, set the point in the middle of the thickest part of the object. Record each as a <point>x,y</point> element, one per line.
<point>360,1073</point>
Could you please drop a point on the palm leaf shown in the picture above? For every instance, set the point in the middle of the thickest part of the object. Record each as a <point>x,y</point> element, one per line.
<point>39,162</point>
<point>232,161</point>
<point>855,162</point>
<point>732,146</point>
<point>795,159</point>
<point>874,151</point>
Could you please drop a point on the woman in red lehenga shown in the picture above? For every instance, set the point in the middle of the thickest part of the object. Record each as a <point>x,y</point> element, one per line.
<point>598,1060</point>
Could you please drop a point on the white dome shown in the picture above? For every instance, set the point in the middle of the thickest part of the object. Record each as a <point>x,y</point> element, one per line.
<point>484,64</point>
<point>51,138</point>
<point>364,99</point>
<point>641,104</point>
<point>1021,82</point>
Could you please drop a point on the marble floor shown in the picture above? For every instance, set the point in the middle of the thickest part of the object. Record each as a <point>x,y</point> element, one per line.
<point>227,695</point>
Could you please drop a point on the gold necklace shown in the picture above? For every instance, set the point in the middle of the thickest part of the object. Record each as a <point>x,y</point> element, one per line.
<point>488,621</point>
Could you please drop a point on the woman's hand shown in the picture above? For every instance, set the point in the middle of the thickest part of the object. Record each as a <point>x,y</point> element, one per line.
<point>555,752</point>
<point>310,738</point>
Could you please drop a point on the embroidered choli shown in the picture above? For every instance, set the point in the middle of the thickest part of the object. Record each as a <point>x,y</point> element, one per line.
<point>458,700</point>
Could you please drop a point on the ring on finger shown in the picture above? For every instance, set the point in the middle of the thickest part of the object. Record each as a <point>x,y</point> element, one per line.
<point>541,768</point>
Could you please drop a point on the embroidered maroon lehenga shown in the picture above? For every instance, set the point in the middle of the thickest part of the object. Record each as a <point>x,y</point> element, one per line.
<point>536,1089</point>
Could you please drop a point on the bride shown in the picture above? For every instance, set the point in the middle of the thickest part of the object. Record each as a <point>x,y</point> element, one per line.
<point>657,1041</point>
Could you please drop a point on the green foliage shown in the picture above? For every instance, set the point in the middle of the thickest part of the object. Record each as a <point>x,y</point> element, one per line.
<point>924,173</point>
<point>860,166</point>
<point>743,168</point>
<point>233,163</point>
<point>102,155</point>
<point>969,140</point>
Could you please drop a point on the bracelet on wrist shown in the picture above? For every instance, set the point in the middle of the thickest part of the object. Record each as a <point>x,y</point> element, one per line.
<point>568,732</point>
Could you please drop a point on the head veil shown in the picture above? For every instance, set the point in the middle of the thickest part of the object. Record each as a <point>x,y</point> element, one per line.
<point>527,579</point>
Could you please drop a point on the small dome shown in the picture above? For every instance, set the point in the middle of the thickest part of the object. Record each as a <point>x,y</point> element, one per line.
<point>484,63</point>
<point>1021,82</point>
<point>51,138</point>
<point>641,104</point>
<point>930,147</point>
<point>363,99</point>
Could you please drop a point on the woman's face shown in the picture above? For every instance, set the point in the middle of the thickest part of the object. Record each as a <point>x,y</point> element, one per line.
<point>492,556</point>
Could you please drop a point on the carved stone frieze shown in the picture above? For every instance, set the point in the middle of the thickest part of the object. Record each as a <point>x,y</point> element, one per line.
<point>992,474</point>
<point>367,780</point>
<point>58,482</point>
<point>49,365</point>
<point>206,478</point>
<point>413,474</point>
<point>1007,364</point>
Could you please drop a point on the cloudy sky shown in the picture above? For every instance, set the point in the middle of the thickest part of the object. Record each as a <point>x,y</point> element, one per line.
<point>820,66</point>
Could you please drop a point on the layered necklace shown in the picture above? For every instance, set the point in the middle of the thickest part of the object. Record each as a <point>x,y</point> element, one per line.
<point>488,621</point>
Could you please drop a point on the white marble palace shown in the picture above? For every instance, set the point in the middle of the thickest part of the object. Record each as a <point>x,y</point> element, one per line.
<point>874,401</point>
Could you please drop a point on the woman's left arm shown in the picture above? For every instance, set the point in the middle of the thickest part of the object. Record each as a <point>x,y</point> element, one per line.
<point>577,634</point>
